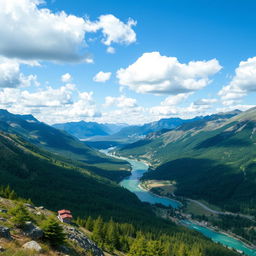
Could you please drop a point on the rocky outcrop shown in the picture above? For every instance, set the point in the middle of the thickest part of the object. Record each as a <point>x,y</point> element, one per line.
<point>32,231</point>
<point>3,210</point>
<point>33,245</point>
<point>82,240</point>
<point>5,232</point>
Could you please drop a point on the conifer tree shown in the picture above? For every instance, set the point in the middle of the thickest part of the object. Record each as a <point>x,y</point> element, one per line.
<point>89,223</point>
<point>139,247</point>
<point>155,248</point>
<point>53,232</point>
<point>112,235</point>
<point>20,215</point>
<point>98,232</point>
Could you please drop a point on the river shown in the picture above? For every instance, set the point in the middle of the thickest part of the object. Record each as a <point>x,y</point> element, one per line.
<point>132,183</point>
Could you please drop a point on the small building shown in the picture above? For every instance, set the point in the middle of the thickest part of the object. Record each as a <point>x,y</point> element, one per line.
<point>65,216</point>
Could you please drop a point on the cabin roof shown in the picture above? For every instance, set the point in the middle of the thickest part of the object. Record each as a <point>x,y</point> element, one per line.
<point>66,216</point>
<point>64,211</point>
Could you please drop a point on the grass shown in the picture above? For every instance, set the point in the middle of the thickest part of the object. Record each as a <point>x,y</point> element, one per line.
<point>195,209</point>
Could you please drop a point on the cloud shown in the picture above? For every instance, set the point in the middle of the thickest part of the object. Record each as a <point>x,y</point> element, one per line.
<point>205,102</point>
<point>242,83</point>
<point>176,99</point>
<point>171,107</point>
<point>66,78</point>
<point>120,102</point>
<point>50,105</point>
<point>115,31</point>
<point>157,74</point>
<point>34,33</point>
<point>11,77</point>
<point>234,107</point>
<point>102,77</point>
<point>111,50</point>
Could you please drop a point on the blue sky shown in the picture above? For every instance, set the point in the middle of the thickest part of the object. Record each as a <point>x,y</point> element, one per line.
<point>126,61</point>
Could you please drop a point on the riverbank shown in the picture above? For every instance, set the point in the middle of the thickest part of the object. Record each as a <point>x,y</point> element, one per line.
<point>164,197</point>
<point>132,183</point>
<point>205,224</point>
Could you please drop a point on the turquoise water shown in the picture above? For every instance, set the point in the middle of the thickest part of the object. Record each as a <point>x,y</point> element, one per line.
<point>132,182</point>
<point>221,238</point>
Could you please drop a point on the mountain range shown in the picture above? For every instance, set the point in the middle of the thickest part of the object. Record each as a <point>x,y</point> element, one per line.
<point>62,144</point>
<point>83,130</point>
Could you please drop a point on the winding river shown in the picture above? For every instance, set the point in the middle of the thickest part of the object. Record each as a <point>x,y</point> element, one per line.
<point>132,183</point>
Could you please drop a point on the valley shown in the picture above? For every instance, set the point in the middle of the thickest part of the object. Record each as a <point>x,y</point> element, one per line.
<point>123,183</point>
<point>180,214</point>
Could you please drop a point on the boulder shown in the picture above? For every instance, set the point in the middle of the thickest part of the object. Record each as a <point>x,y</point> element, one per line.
<point>5,232</point>
<point>3,219</point>
<point>3,210</point>
<point>30,206</point>
<point>32,231</point>
<point>82,240</point>
<point>32,245</point>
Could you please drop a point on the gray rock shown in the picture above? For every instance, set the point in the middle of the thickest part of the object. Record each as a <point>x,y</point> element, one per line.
<point>32,245</point>
<point>82,240</point>
<point>30,206</point>
<point>41,207</point>
<point>3,219</point>
<point>32,231</point>
<point>3,210</point>
<point>5,232</point>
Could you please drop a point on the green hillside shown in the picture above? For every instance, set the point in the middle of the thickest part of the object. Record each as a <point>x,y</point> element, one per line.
<point>36,174</point>
<point>62,144</point>
<point>23,223</point>
<point>213,160</point>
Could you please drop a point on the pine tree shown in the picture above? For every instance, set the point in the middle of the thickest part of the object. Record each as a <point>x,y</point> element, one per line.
<point>139,247</point>
<point>196,251</point>
<point>20,215</point>
<point>155,248</point>
<point>181,250</point>
<point>89,223</point>
<point>112,235</point>
<point>98,232</point>
<point>53,232</point>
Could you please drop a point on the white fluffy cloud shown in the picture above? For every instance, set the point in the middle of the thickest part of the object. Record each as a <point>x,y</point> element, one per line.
<point>66,78</point>
<point>120,102</point>
<point>157,74</point>
<point>176,99</point>
<point>171,107</point>
<point>115,31</point>
<point>111,50</point>
<point>241,84</point>
<point>102,77</point>
<point>11,76</point>
<point>35,33</point>
<point>205,102</point>
<point>50,105</point>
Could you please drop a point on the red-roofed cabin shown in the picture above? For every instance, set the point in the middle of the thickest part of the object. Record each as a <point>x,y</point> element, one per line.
<point>65,216</point>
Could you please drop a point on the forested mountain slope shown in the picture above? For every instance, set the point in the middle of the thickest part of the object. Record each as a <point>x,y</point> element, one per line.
<point>38,175</point>
<point>213,160</point>
<point>62,144</point>
<point>24,226</point>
